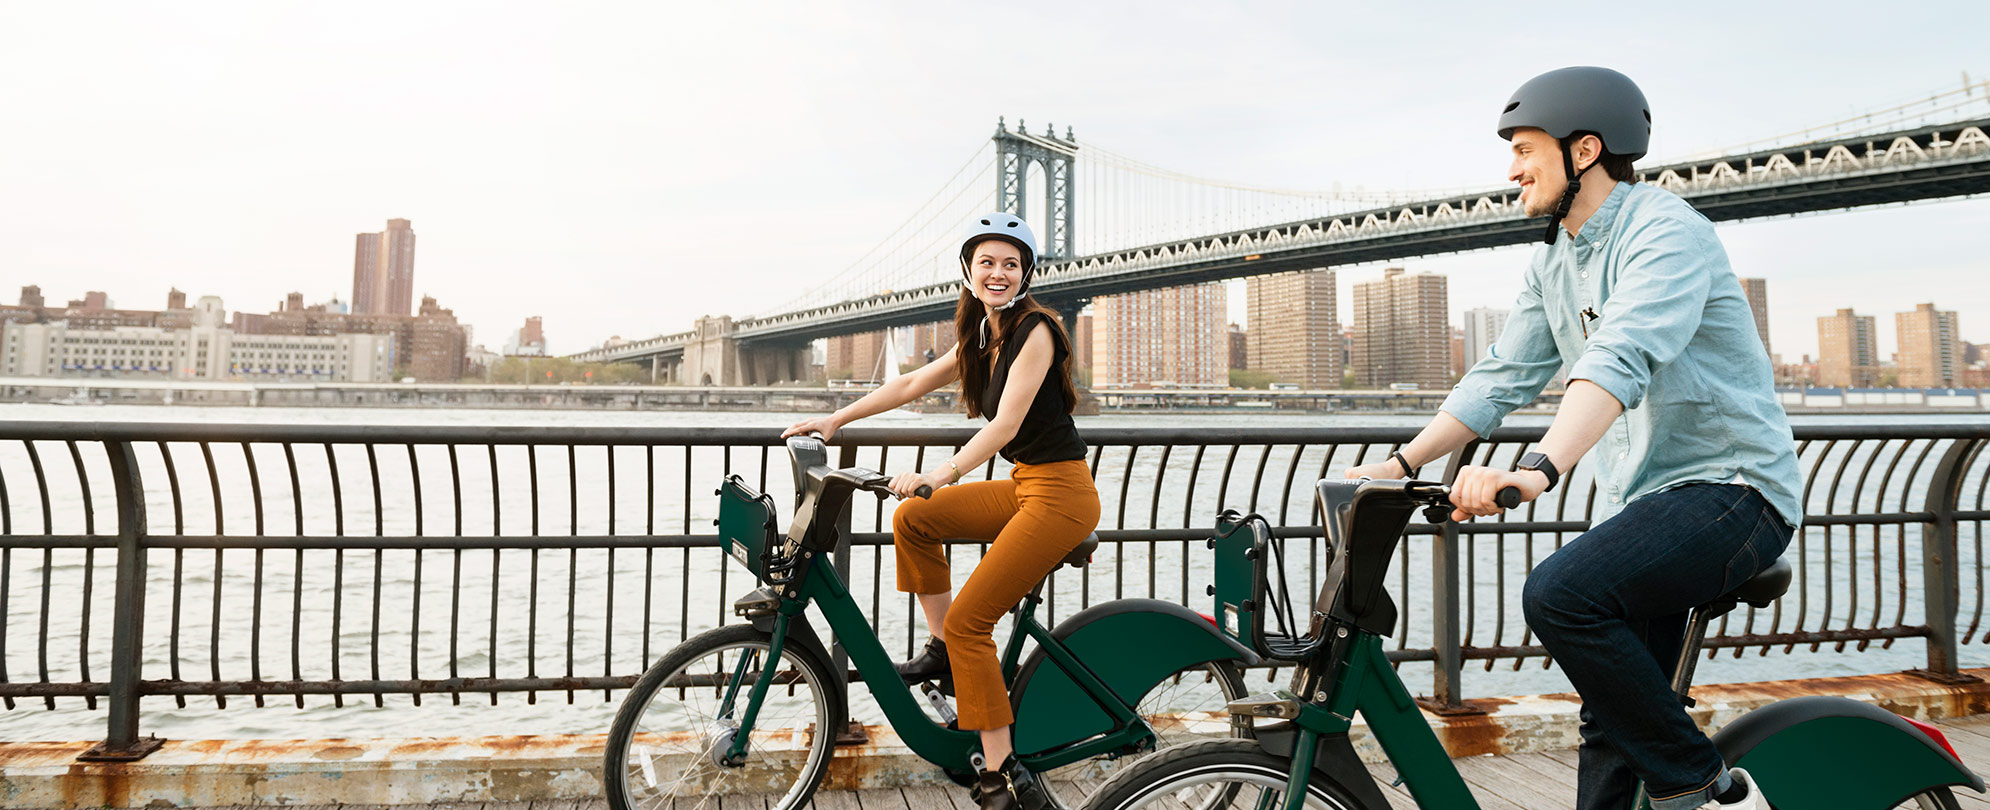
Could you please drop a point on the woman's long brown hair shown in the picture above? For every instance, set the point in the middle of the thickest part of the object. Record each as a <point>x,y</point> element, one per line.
<point>975,362</point>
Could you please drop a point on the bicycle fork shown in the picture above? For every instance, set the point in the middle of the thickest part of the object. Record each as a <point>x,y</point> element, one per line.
<point>732,753</point>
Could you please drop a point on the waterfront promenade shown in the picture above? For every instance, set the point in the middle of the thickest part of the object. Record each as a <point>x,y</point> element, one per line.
<point>454,579</point>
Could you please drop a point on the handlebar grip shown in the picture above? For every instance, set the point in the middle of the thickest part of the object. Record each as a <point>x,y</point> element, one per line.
<point>923,491</point>
<point>1508,497</point>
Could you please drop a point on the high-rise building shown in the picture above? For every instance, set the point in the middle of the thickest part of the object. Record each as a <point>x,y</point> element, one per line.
<point>1757,291</point>
<point>1482,328</point>
<point>1081,343</point>
<point>935,338</point>
<point>1293,328</point>
<point>1458,355</point>
<point>1848,354</point>
<point>529,340</point>
<point>856,357</point>
<point>383,271</point>
<point>1240,348</point>
<point>428,346</point>
<point>1401,331</point>
<point>1931,351</point>
<point>1165,337</point>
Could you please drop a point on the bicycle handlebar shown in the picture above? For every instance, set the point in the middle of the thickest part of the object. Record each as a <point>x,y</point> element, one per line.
<point>882,486</point>
<point>1508,497</point>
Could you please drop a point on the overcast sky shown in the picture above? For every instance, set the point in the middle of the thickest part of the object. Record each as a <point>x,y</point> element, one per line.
<point>625,168</point>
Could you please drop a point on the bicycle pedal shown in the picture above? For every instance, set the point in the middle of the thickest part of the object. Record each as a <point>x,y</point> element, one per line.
<point>939,703</point>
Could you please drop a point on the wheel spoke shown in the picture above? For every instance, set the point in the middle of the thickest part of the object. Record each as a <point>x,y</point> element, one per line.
<point>674,749</point>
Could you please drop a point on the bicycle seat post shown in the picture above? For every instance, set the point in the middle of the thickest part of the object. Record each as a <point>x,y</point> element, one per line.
<point>1696,637</point>
<point>1758,591</point>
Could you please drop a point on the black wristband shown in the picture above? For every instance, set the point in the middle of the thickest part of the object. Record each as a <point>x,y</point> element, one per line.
<point>1408,471</point>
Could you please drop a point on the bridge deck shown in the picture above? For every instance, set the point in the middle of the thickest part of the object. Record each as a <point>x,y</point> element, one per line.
<point>1533,781</point>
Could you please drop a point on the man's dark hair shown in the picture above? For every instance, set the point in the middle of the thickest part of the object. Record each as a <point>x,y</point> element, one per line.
<point>1617,166</point>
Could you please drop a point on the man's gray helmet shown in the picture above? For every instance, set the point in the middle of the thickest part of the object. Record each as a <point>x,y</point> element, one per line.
<point>1581,99</point>
<point>1008,228</point>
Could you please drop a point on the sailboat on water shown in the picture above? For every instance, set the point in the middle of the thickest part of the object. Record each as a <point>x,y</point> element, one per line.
<point>888,359</point>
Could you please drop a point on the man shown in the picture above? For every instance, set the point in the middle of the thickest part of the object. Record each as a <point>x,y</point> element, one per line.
<point>1671,401</point>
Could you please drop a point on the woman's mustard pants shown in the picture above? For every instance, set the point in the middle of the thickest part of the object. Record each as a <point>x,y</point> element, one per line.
<point>1031,520</point>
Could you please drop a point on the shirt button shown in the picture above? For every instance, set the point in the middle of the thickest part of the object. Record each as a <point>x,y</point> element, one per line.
<point>1584,274</point>
<point>1615,499</point>
<point>1623,454</point>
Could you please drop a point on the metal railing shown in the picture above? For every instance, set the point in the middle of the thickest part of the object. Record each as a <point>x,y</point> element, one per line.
<point>277,562</point>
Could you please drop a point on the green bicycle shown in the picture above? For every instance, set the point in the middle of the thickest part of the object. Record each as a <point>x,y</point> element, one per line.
<point>755,707</point>
<point>1804,753</point>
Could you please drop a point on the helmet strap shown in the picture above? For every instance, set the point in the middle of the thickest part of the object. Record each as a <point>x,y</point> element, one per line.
<point>1568,197</point>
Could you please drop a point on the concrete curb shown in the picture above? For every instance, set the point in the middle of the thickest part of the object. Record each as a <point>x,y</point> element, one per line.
<point>206,773</point>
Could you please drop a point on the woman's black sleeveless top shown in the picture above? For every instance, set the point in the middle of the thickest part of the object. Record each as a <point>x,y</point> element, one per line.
<point>1047,433</point>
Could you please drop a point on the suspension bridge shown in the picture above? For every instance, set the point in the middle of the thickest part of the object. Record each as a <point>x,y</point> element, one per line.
<point>1145,227</point>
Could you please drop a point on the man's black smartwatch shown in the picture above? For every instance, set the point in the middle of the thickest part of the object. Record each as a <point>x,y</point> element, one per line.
<point>1539,462</point>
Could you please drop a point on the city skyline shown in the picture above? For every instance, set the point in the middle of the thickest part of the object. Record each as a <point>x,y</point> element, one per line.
<point>535,148</point>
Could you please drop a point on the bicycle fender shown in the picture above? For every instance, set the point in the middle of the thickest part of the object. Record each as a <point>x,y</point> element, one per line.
<point>1130,645</point>
<point>1787,745</point>
<point>802,634</point>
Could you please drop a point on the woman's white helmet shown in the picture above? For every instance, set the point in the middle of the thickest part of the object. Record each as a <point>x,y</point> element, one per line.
<point>1008,228</point>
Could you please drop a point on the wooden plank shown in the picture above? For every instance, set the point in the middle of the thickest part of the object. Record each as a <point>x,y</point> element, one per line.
<point>835,800</point>
<point>934,797</point>
<point>1565,756</point>
<point>1972,747</point>
<point>887,799</point>
<point>1496,776</point>
<point>1970,799</point>
<point>1398,796</point>
<point>1547,766</point>
<point>745,801</point>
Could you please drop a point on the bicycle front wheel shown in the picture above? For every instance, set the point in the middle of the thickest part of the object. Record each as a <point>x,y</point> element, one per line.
<point>1213,773</point>
<point>668,746</point>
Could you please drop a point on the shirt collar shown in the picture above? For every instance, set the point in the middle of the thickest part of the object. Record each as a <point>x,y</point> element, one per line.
<point>1597,228</point>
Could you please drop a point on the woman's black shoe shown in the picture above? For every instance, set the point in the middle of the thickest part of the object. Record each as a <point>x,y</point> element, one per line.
<point>1010,787</point>
<point>931,665</point>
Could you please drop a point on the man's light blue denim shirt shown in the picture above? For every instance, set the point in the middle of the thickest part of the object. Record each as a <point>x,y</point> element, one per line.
<point>1671,337</point>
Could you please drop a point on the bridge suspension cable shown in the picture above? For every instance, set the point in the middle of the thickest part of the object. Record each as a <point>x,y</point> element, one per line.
<point>913,253</point>
<point>1971,100</point>
<point>1122,202</point>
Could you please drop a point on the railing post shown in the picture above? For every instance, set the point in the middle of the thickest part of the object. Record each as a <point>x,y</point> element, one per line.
<point>121,743</point>
<point>839,659</point>
<point>1940,579</point>
<point>1447,694</point>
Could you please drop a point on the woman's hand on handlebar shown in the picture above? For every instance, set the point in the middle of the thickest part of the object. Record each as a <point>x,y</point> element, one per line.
<point>1476,490</point>
<point>906,485</point>
<point>825,425</point>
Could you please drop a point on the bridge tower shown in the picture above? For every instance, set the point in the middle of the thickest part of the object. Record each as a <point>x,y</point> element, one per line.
<point>1015,151</point>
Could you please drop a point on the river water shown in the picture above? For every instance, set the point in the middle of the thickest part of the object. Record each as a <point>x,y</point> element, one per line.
<point>702,582</point>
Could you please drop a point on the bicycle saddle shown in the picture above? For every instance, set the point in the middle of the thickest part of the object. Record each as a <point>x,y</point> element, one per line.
<point>1083,553</point>
<point>1765,587</point>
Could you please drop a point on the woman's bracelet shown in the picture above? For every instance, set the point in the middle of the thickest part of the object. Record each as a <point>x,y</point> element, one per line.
<point>950,463</point>
<point>1408,471</point>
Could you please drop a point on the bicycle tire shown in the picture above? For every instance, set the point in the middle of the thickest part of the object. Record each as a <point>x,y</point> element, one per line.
<point>679,740</point>
<point>1941,798</point>
<point>1178,716</point>
<point>1215,766</point>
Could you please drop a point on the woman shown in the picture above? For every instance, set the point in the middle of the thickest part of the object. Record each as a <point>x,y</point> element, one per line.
<point>1013,360</point>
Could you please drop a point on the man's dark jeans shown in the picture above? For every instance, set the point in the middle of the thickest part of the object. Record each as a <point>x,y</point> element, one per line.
<point>1611,608</point>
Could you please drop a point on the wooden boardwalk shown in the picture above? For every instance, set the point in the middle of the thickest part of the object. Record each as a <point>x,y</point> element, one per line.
<point>1537,781</point>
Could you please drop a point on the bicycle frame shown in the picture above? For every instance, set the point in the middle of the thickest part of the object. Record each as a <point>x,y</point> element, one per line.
<point>1366,683</point>
<point>801,573</point>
